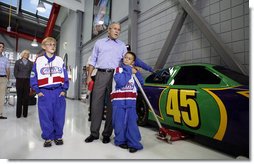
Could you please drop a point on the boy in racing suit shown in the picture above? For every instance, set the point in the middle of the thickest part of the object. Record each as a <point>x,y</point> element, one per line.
<point>123,97</point>
<point>49,79</point>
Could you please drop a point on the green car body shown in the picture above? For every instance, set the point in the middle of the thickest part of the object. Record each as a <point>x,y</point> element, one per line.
<point>200,99</point>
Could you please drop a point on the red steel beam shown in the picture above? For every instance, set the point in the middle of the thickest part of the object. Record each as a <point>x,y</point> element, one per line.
<point>19,35</point>
<point>48,31</point>
<point>52,20</point>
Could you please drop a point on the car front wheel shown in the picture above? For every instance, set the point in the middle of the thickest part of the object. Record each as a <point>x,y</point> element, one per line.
<point>142,110</point>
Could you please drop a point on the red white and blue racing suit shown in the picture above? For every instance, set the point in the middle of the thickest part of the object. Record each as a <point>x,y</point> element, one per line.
<point>123,97</point>
<point>49,76</point>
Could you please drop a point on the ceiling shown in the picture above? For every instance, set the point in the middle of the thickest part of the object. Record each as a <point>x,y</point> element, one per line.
<point>28,25</point>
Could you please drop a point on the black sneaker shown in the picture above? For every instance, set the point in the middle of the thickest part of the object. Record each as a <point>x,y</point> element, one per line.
<point>59,141</point>
<point>124,146</point>
<point>2,117</point>
<point>47,143</point>
<point>132,150</point>
<point>106,140</point>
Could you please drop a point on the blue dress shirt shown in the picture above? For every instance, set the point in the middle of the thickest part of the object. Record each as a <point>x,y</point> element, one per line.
<point>107,53</point>
<point>4,64</point>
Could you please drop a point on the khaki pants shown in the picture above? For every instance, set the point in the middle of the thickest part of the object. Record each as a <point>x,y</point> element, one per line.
<point>3,84</point>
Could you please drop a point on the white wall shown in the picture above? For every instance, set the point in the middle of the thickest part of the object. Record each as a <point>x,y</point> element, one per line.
<point>119,9</point>
<point>69,34</point>
<point>153,27</point>
<point>148,4</point>
<point>228,18</point>
<point>63,14</point>
<point>87,21</point>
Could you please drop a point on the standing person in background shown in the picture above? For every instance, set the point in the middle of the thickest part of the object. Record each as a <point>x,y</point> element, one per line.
<point>4,78</point>
<point>22,70</point>
<point>123,96</point>
<point>91,93</point>
<point>49,79</point>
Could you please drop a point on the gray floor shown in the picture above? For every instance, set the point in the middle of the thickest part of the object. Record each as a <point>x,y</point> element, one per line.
<point>20,139</point>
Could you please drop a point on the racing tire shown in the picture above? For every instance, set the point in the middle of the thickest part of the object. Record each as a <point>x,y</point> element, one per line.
<point>142,110</point>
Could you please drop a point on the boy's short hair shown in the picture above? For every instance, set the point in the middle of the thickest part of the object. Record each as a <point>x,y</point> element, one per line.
<point>133,54</point>
<point>2,43</point>
<point>48,39</point>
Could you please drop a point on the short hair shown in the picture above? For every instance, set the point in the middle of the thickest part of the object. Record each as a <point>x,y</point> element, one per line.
<point>48,39</point>
<point>2,43</point>
<point>23,52</point>
<point>133,54</point>
<point>110,25</point>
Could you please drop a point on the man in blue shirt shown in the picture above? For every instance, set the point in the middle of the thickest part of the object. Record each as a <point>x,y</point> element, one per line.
<point>106,56</point>
<point>4,77</point>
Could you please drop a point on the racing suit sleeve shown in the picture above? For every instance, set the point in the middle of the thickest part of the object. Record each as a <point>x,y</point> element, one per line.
<point>122,78</point>
<point>65,85</point>
<point>140,79</point>
<point>34,79</point>
<point>140,63</point>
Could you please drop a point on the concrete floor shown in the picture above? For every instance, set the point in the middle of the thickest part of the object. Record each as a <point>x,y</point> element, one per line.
<point>20,139</point>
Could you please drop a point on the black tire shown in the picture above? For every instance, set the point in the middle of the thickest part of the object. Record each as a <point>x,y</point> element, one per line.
<point>142,110</point>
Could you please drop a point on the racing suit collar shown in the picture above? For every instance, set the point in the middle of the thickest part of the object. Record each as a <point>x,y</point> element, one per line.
<point>50,59</point>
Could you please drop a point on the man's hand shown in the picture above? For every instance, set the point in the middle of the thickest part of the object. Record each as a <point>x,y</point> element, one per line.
<point>134,70</point>
<point>40,94</point>
<point>62,94</point>
<point>88,80</point>
<point>138,68</point>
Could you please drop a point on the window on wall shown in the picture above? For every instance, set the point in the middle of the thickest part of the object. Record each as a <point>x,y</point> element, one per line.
<point>8,2</point>
<point>28,7</point>
<point>101,16</point>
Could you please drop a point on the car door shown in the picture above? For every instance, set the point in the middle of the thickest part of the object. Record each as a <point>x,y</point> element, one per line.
<point>186,102</point>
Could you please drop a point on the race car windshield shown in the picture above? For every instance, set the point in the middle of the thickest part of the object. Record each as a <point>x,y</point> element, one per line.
<point>240,78</point>
<point>160,77</point>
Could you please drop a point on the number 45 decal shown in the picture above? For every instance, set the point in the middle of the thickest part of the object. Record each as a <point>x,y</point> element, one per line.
<point>183,107</point>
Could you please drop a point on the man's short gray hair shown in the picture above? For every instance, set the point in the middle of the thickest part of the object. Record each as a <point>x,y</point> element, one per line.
<point>112,23</point>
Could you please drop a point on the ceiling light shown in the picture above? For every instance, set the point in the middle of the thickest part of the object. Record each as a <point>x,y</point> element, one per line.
<point>34,43</point>
<point>100,22</point>
<point>41,7</point>
<point>9,29</point>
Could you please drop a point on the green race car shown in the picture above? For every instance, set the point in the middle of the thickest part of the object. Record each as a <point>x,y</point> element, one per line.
<point>201,100</point>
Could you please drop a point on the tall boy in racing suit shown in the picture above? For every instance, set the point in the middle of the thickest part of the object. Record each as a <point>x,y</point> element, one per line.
<point>49,79</point>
